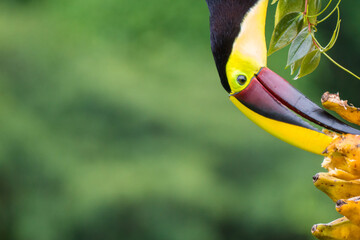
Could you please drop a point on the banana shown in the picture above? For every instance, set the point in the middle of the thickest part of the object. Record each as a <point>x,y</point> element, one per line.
<point>343,157</point>
<point>342,160</point>
<point>350,208</point>
<point>341,107</point>
<point>339,229</point>
<point>336,188</point>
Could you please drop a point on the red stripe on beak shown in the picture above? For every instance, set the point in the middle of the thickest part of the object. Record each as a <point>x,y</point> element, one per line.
<point>257,98</point>
<point>289,96</point>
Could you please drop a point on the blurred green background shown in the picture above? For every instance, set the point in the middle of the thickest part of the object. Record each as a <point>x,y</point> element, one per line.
<point>114,125</point>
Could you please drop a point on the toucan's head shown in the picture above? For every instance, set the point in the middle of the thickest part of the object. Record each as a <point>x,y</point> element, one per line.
<point>237,29</point>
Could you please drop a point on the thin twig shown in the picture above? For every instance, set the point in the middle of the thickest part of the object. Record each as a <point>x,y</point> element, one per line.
<point>337,64</point>
<point>337,5</point>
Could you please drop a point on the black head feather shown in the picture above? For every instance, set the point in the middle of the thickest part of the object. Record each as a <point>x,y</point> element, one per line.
<point>225,19</point>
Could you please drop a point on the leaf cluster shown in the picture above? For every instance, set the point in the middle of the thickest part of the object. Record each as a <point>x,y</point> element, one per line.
<point>296,23</point>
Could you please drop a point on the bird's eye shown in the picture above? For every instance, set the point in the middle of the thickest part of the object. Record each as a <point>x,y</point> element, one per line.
<point>241,79</point>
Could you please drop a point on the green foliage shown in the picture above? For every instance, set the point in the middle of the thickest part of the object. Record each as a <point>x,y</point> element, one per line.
<point>300,47</point>
<point>286,31</point>
<point>309,64</point>
<point>285,7</point>
<point>292,16</point>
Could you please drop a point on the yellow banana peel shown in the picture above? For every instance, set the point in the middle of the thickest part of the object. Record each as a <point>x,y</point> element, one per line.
<point>350,208</point>
<point>343,157</point>
<point>341,107</point>
<point>339,229</point>
<point>342,181</point>
<point>336,188</point>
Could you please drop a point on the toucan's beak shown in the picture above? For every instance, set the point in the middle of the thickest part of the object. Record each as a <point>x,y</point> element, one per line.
<point>268,100</point>
<point>271,102</point>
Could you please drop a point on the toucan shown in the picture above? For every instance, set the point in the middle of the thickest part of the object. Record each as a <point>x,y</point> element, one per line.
<point>237,36</point>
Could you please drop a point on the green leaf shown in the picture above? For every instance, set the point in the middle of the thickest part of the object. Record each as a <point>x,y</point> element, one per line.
<point>285,31</point>
<point>273,2</point>
<point>285,7</point>
<point>295,66</point>
<point>300,46</point>
<point>314,7</point>
<point>309,64</point>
